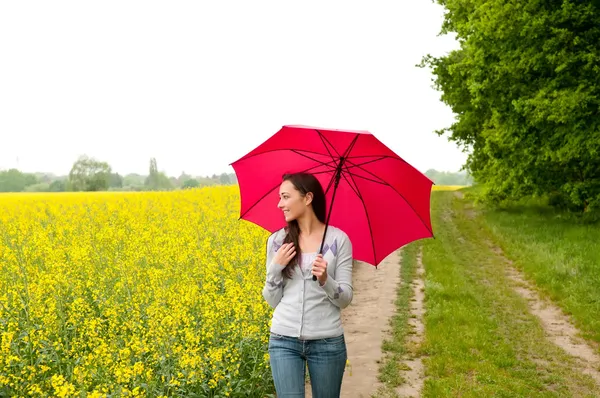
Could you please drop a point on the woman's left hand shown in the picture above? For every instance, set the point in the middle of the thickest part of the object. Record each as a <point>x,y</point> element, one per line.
<point>319,269</point>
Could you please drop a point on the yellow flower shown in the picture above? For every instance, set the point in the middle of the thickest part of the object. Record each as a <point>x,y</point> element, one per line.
<point>127,290</point>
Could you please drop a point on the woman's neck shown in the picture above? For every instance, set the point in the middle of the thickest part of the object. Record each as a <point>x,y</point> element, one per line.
<point>309,225</point>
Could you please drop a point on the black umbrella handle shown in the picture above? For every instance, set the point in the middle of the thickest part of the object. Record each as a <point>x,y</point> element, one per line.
<point>338,174</point>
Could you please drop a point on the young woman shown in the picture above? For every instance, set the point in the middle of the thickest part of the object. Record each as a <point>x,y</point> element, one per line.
<point>306,325</point>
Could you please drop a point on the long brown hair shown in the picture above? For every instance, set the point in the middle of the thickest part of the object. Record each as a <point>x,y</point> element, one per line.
<point>304,183</point>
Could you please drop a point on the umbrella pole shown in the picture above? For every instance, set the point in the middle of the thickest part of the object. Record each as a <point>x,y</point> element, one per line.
<point>338,175</point>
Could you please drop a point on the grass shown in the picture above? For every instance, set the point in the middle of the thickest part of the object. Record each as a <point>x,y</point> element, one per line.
<point>561,256</point>
<point>395,347</point>
<point>480,338</point>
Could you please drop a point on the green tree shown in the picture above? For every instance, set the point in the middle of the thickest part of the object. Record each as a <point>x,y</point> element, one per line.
<point>57,186</point>
<point>156,180</point>
<point>191,183</point>
<point>524,87</point>
<point>448,178</point>
<point>13,180</point>
<point>224,179</point>
<point>89,174</point>
<point>39,187</point>
<point>134,182</point>
<point>115,180</point>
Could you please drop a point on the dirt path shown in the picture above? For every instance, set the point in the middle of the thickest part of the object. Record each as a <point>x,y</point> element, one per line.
<point>366,323</point>
<point>414,375</point>
<point>557,326</point>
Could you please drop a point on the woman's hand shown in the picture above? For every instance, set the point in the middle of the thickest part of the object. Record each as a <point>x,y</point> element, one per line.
<point>286,252</point>
<point>319,269</point>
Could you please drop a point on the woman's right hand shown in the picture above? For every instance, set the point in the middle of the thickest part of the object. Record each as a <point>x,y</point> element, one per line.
<point>286,252</point>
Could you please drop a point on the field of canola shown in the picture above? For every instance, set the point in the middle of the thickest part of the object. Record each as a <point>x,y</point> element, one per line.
<point>131,294</point>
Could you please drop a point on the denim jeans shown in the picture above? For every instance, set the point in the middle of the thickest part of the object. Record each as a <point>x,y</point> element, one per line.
<point>326,360</point>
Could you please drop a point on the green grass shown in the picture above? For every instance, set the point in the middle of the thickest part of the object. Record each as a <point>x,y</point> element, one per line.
<point>480,338</point>
<point>560,255</point>
<point>395,347</point>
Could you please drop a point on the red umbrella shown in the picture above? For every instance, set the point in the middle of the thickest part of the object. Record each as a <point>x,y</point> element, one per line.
<point>381,201</point>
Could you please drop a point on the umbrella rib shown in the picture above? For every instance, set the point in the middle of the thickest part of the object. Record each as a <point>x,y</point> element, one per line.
<point>365,178</point>
<point>325,144</point>
<point>278,149</point>
<point>370,161</point>
<point>330,144</point>
<point>366,214</point>
<point>382,156</point>
<point>395,190</point>
<point>328,164</point>
<point>346,152</point>
<point>271,190</point>
<point>367,171</point>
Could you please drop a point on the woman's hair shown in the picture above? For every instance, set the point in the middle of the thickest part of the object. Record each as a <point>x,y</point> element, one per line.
<point>304,183</point>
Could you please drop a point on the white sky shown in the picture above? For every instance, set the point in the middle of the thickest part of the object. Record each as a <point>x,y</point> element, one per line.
<point>124,81</point>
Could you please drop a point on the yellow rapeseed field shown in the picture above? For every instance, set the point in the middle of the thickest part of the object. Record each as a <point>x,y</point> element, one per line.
<point>131,294</point>
<point>447,187</point>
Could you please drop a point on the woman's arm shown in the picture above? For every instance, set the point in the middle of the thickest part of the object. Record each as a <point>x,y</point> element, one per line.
<point>273,289</point>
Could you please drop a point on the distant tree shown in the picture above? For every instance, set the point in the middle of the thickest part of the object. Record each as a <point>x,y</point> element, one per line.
<point>134,181</point>
<point>224,179</point>
<point>88,174</point>
<point>13,180</point>
<point>449,178</point>
<point>115,180</point>
<point>191,183</point>
<point>39,187</point>
<point>57,186</point>
<point>183,177</point>
<point>44,177</point>
<point>156,180</point>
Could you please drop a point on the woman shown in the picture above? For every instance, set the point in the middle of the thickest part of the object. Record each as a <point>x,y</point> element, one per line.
<point>306,325</point>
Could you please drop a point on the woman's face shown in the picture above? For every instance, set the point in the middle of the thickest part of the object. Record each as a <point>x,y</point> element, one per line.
<point>291,202</point>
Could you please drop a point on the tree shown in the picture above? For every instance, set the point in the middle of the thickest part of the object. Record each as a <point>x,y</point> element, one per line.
<point>157,181</point>
<point>115,180</point>
<point>224,179</point>
<point>57,186</point>
<point>448,178</point>
<point>191,183</point>
<point>134,182</point>
<point>13,180</point>
<point>524,87</point>
<point>88,174</point>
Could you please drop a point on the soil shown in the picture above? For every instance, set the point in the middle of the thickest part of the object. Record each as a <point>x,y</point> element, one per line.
<point>366,324</point>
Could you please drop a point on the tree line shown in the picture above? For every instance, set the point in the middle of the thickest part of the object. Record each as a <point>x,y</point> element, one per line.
<point>449,178</point>
<point>89,174</point>
<point>524,86</point>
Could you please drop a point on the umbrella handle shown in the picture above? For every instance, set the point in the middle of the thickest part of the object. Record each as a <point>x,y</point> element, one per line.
<point>314,278</point>
<point>338,174</point>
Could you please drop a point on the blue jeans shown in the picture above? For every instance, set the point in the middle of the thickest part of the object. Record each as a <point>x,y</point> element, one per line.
<point>326,360</point>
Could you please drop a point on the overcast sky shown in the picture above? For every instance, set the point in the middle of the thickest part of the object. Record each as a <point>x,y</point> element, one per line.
<point>197,84</point>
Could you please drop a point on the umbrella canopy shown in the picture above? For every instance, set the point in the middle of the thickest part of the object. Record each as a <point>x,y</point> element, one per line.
<point>379,200</point>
